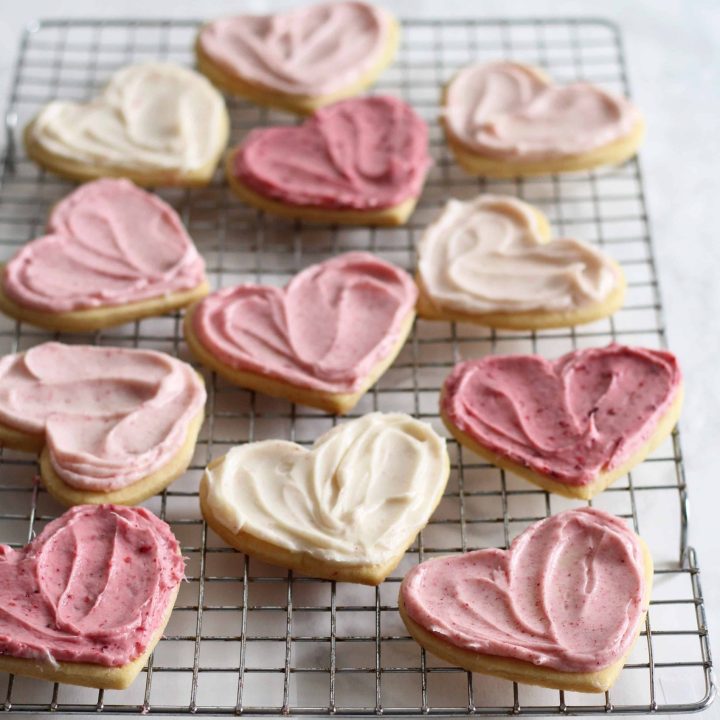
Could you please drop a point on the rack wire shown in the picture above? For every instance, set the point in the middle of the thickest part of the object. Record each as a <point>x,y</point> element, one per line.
<point>247,638</point>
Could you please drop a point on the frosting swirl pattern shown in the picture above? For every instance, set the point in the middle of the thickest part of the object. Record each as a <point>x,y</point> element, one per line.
<point>569,594</point>
<point>570,419</point>
<point>512,111</point>
<point>313,50</point>
<point>364,153</point>
<point>155,117</point>
<point>488,255</point>
<point>326,330</point>
<point>357,497</point>
<point>108,243</point>
<point>93,587</point>
<point>111,416</point>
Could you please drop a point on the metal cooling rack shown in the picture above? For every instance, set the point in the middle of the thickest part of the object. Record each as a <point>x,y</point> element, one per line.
<point>246,638</point>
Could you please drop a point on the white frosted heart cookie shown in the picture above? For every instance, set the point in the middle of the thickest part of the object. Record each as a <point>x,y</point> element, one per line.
<point>345,509</point>
<point>87,600</point>
<point>506,119</point>
<point>112,253</point>
<point>492,261</point>
<point>300,59</point>
<point>561,607</point>
<point>111,424</point>
<point>154,123</point>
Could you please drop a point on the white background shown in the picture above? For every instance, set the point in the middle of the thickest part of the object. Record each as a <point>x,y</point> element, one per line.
<point>673,53</point>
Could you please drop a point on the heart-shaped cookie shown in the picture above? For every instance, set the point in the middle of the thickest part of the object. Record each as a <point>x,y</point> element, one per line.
<point>358,161</point>
<point>155,123</point>
<point>346,509</point>
<point>504,119</point>
<point>573,425</point>
<point>113,424</point>
<point>112,253</point>
<point>323,340</point>
<point>491,261</point>
<point>561,607</point>
<point>300,59</point>
<point>87,600</point>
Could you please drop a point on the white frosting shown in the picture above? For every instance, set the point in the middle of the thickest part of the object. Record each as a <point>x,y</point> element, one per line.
<point>151,117</point>
<point>488,255</point>
<point>357,497</point>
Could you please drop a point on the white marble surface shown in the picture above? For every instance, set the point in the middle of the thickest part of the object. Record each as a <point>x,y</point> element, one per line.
<point>673,52</point>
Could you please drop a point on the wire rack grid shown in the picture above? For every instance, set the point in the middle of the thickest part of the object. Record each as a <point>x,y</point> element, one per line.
<point>247,638</point>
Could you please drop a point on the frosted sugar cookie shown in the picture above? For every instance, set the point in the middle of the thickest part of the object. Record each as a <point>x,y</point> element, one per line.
<point>505,119</point>
<point>346,509</point>
<point>492,261</point>
<point>360,162</point>
<point>112,253</point>
<point>323,340</point>
<point>561,608</point>
<point>573,425</point>
<point>111,424</point>
<point>154,123</point>
<point>301,59</point>
<point>88,599</point>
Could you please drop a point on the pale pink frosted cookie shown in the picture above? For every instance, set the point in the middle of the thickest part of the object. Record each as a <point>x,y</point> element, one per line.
<point>87,600</point>
<point>112,253</point>
<point>359,161</point>
<point>300,59</point>
<point>112,424</point>
<point>573,425</point>
<point>560,608</point>
<point>323,340</point>
<point>504,119</point>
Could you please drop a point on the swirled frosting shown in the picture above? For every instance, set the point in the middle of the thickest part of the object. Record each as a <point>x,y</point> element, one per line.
<point>488,255</point>
<point>312,50</point>
<point>569,419</point>
<point>154,117</point>
<point>569,594</point>
<point>364,153</point>
<point>326,330</point>
<point>108,243</point>
<point>357,497</point>
<point>111,416</point>
<point>93,587</point>
<point>511,111</point>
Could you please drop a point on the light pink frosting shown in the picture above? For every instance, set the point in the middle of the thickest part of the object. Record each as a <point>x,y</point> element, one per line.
<point>509,111</point>
<point>108,243</point>
<point>326,330</point>
<point>312,50</point>
<point>569,419</point>
<point>363,154</point>
<point>568,595</point>
<point>111,416</point>
<point>93,587</point>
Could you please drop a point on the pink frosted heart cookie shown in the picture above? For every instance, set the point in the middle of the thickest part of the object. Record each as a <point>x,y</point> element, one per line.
<point>88,599</point>
<point>323,340</point>
<point>505,119</point>
<point>561,608</point>
<point>112,253</point>
<point>360,161</point>
<point>571,426</point>
<point>112,424</point>
<point>300,59</point>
